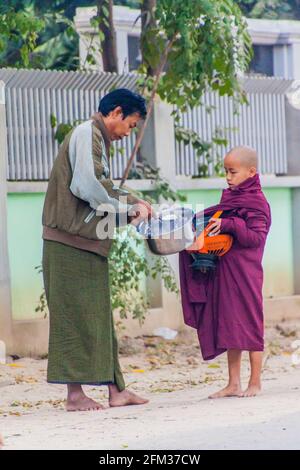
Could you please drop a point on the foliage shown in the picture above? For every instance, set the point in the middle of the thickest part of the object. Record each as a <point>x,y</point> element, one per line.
<point>42,34</point>
<point>208,153</point>
<point>128,265</point>
<point>57,46</point>
<point>18,35</point>
<point>42,303</point>
<point>272,9</point>
<point>162,188</point>
<point>63,128</point>
<point>198,59</point>
<point>48,26</point>
<point>142,170</point>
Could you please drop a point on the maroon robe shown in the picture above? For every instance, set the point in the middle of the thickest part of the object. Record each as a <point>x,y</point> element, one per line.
<point>225,305</point>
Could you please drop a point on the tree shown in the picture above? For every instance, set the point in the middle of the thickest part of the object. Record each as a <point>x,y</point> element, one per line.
<point>18,35</point>
<point>55,44</point>
<point>148,31</point>
<point>187,47</point>
<point>192,46</point>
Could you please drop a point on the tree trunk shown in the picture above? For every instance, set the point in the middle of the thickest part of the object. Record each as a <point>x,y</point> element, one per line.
<point>148,22</point>
<point>109,47</point>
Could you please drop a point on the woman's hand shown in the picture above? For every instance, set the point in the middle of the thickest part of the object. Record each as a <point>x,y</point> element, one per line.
<point>214,226</point>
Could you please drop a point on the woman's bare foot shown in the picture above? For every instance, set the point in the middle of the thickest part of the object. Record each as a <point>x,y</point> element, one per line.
<point>125,398</point>
<point>229,391</point>
<point>82,403</point>
<point>252,390</point>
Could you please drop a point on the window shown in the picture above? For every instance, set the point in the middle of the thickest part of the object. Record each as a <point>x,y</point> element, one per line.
<point>134,53</point>
<point>262,61</point>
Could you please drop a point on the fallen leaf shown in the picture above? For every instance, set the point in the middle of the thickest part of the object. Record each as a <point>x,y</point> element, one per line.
<point>15,365</point>
<point>22,379</point>
<point>191,360</point>
<point>153,360</point>
<point>285,331</point>
<point>162,390</point>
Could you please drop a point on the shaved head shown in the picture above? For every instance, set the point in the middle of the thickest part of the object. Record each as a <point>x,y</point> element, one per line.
<point>240,163</point>
<point>246,156</point>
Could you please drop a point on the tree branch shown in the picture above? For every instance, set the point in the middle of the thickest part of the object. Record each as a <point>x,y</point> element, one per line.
<point>150,108</point>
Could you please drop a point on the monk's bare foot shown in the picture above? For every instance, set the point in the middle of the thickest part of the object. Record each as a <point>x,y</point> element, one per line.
<point>229,391</point>
<point>125,398</point>
<point>82,403</point>
<point>1,442</point>
<point>252,390</point>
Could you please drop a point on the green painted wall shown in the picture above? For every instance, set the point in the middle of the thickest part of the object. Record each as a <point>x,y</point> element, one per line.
<point>278,257</point>
<point>25,252</point>
<point>25,246</point>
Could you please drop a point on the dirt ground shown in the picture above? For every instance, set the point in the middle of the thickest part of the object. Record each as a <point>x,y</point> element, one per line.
<point>179,415</point>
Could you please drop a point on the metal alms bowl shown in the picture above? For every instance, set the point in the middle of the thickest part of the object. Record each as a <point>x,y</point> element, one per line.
<point>171,231</point>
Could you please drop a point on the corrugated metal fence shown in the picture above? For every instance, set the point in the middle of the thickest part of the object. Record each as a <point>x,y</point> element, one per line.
<point>33,95</point>
<point>261,125</point>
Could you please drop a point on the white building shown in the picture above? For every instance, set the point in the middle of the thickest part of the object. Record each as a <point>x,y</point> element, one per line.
<point>128,29</point>
<point>276,43</point>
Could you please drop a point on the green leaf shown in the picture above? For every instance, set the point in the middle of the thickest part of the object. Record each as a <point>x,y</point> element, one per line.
<point>62,131</point>
<point>53,120</point>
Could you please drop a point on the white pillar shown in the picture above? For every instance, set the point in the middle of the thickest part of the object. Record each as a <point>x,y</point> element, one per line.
<point>296,59</point>
<point>292,117</point>
<point>122,49</point>
<point>158,146</point>
<point>5,292</point>
<point>158,149</point>
<point>282,61</point>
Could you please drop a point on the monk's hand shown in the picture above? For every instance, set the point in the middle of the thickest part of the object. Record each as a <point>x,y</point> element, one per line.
<point>142,210</point>
<point>214,227</point>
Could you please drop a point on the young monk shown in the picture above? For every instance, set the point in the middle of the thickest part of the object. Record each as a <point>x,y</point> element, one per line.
<point>225,305</point>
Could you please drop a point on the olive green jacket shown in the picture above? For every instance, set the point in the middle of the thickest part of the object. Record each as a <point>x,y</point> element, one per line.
<point>80,192</point>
